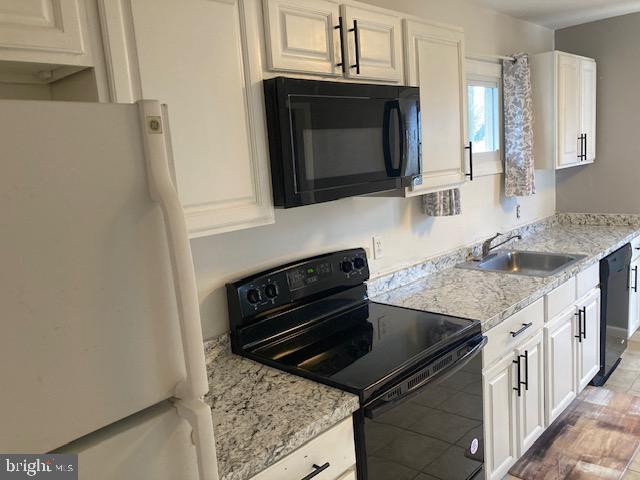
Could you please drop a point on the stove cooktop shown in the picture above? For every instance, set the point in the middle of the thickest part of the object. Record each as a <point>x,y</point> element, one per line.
<point>366,347</point>
<point>313,318</point>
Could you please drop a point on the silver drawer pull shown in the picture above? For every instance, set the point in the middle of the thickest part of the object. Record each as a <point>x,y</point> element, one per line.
<point>317,470</point>
<point>524,327</point>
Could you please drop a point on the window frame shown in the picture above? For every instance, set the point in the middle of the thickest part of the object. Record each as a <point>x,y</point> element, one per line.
<point>486,74</point>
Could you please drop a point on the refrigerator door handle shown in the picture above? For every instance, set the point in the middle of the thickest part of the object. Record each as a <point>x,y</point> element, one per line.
<point>157,153</point>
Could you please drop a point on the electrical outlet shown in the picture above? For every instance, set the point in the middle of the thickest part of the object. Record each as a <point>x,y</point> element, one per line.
<point>518,211</point>
<point>378,247</point>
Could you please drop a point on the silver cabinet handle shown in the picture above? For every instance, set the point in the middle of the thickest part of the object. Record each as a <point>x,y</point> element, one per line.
<point>518,332</point>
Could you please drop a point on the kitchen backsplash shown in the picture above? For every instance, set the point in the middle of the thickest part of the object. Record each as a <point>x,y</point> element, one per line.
<point>404,276</point>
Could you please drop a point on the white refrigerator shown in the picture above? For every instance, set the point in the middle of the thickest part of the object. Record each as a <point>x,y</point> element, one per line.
<point>99,303</point>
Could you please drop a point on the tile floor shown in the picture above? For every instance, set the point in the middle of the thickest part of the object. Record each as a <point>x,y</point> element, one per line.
<point>626,378</point>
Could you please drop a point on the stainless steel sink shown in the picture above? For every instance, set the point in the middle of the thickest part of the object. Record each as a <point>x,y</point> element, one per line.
<point>537,264</point>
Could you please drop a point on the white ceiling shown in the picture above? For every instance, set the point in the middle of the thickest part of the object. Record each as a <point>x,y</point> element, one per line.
<point>562,13</point>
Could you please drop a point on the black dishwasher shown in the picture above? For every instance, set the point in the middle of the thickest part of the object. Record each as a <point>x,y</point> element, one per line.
<point>614,311</point>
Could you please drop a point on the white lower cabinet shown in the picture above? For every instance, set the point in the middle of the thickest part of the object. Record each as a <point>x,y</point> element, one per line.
<point>533,370</point>
<point>334,447</point>
<point>589,344</point>
<point>572,340</point>
<point>499,418</point>
<point>634,298</point>
<point>513,387</point>
<point>560,374</point>
<point>530,401</point>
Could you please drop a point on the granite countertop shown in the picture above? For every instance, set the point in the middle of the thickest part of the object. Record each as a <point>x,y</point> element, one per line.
<point>492,297</point>
<point>261,414</point>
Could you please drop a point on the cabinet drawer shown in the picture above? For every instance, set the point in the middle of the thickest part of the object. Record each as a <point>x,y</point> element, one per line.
<point>559,299</point>
<point>501,339</point>
<point>635,248</point>
<point>587,280</point>
<point>335,446</point>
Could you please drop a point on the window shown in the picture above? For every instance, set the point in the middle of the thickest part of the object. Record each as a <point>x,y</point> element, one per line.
<point>484,128</point>
<point>484,115</point>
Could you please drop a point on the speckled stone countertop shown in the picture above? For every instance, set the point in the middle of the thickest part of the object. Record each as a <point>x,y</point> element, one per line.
<point>261,414</point>
<point>492,297</point>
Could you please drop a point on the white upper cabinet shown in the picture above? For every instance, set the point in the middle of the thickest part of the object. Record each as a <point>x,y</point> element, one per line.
<point>200,57</point>
<point>564,97</point>
<point>568,110</point>
<point>323,38</point>
<point>435,62</point>
<point>374,41</point>
<point>301,36</point>
<point>50,33</point>
<point>588,82</point>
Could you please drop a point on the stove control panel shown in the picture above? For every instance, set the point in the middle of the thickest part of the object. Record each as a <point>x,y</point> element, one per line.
<point>288,284</point>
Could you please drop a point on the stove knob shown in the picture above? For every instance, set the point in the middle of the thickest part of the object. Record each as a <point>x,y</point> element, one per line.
<point>359,262</point>
<point>254,296</point>
<point>271,290</point>
<point>346,266</point>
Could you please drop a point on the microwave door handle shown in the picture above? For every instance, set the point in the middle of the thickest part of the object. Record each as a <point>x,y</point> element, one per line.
<point>381,406</point>
<point>386,138</point>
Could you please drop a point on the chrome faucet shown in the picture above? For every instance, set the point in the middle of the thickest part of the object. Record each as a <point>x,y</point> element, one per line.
<point>486,245</point>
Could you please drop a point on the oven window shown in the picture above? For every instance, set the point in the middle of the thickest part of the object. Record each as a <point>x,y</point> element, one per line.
<point>437,433</point>
<point>339,141</point>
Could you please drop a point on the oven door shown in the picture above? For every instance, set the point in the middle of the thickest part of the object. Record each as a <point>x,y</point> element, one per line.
<point>430,422</point>
<point>340,140</point>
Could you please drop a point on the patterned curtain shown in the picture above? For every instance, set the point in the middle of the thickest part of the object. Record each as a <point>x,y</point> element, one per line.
<point>442,204</point>
<point>518,127</point>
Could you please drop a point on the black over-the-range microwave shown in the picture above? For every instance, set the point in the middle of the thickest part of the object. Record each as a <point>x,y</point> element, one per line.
<point>331,140</point>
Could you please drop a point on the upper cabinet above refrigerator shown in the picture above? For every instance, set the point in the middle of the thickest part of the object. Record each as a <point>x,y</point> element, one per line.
<point>321,37</point>
<point>564,94</point>
<point>201,58</point>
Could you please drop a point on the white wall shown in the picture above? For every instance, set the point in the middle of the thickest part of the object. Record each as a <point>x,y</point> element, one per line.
<point>610,185</point>
<point>409,236</point>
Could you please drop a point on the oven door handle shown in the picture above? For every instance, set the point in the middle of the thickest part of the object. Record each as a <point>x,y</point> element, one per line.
<point>386,138</point>
<point>379,406</point>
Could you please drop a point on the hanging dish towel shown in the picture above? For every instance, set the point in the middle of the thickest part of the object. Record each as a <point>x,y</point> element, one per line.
<point>442,204</point>
<point>518,127</point>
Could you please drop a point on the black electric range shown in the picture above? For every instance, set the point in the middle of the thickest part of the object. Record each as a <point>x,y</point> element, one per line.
<point>417,374</point>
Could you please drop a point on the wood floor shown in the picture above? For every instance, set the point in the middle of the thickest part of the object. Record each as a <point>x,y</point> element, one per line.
<point>625,379</point>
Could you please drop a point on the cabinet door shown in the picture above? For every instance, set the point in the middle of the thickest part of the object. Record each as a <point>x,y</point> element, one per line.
<point>197,57</point>
<point>588,80</point>
<point>561,354</point>
<point>634,298</point>
<point>41,25</point>
<point>376,44</point>
<point>435,63</point>
<point>589,347</point>
<point>301,36</point>
<point>530,404</point>
<point>499,418</point>
<point>568,110</point>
